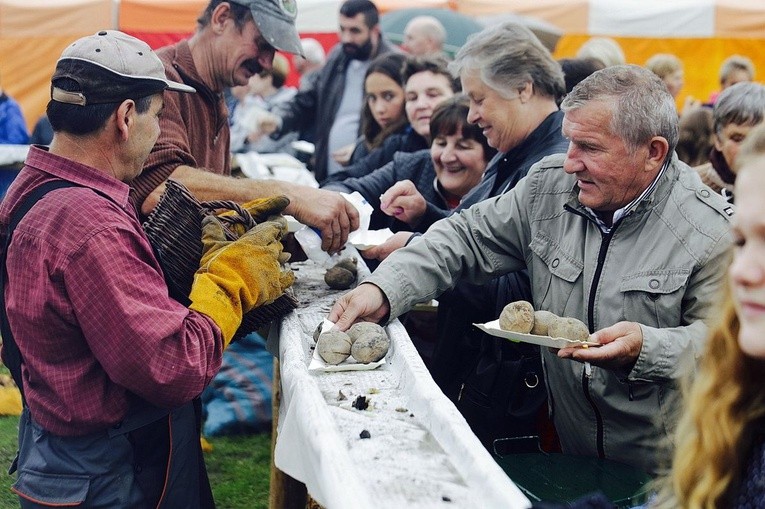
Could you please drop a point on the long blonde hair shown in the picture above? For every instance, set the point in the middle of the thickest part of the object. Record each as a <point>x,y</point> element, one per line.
<point>714,435</point>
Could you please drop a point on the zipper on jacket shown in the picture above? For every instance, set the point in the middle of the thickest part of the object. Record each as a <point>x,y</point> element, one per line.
<point>606,240</point>
<point>586,375</point>
<point>587,371</point>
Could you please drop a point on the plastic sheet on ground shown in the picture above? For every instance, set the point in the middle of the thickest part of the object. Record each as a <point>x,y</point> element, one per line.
<point>420,451</point>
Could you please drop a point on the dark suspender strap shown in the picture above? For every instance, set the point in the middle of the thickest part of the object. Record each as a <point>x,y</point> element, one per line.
<point>10,354</point>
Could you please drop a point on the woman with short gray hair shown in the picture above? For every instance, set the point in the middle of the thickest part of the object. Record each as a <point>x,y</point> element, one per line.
<point>513,85</point>
<point>507,57</point>
<point>739,108</point>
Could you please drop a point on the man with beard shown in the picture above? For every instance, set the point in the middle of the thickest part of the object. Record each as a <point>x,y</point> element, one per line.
<point>337,96</point>
<point>234,40</point>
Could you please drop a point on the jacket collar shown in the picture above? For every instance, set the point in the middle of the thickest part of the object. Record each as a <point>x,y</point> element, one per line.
<point>720,166</point>
<point>550,126</point>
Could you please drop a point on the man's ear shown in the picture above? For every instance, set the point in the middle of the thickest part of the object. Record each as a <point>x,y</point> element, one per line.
<point>125,118</point>
<point>658,148</point>
<point>220,15</point>
<point>376,31</point>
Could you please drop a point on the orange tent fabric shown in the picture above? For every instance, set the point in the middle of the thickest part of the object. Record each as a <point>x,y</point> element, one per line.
<point>159,23</point>
<point>701,32</point>
<point>33,35</point>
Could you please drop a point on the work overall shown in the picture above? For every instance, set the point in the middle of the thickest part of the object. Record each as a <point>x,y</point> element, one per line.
<point>152,458</point>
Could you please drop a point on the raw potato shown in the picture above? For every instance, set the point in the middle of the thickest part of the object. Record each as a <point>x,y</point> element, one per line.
<point>349,264</point>
<point>569,328</point>
<point>370,347</point>
<point>517,316</point>
<point>334,346</point>
<point>542,320</point>
<point>361,328</point>
<point>339,278</point>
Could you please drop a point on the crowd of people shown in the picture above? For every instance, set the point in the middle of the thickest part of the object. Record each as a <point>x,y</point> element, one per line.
<point>575,184</point>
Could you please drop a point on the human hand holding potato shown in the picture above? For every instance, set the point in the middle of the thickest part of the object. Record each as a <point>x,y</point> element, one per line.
<point>620,347</point>
<point>366,302</point>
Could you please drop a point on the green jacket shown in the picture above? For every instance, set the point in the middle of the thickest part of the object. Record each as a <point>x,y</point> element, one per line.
<point>660,266</point>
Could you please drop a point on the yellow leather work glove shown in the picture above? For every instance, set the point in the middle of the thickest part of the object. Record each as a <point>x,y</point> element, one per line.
<point>236,276</point>
<point>261,209</point>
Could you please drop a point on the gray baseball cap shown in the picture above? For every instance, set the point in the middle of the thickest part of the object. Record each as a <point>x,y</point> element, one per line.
<point>110,67</point>
<point>276,21</point>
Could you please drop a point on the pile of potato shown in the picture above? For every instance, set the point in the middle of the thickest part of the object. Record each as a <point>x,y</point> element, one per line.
<point>366,341</point>
<point>519,316</point>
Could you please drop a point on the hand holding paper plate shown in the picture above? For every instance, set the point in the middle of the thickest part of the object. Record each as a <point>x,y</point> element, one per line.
<point>364,238</point>
<point>492,328</point>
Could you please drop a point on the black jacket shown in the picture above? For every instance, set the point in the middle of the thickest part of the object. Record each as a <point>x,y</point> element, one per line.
<point>318,104</point>
<point>406,141</point>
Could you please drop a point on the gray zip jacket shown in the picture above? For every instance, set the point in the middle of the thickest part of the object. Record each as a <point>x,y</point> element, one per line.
<point>661,266</point>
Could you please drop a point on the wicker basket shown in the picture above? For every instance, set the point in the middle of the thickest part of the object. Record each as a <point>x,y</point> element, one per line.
<point>175,230</point>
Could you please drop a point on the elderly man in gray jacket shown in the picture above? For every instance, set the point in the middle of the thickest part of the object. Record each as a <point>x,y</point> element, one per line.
<point>617,233</point>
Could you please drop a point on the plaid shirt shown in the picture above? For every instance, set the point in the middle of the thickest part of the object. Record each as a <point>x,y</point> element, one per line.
<point>89,307</point>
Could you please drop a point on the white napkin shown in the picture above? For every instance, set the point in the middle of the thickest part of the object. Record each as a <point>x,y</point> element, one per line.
<point>364,238</point>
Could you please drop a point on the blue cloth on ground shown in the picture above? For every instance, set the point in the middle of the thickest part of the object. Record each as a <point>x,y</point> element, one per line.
<point>238,400</point>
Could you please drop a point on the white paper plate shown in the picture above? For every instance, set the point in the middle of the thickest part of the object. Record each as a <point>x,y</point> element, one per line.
<point>370,238</point>
<point>303,146</point>
<point>293,224</point>
<point>349,364</point>
<point>493,329</point>
<point>280,159</point>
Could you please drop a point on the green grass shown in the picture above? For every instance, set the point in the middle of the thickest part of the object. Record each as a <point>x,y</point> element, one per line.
<point>9,427</point>
<point>238,467</point>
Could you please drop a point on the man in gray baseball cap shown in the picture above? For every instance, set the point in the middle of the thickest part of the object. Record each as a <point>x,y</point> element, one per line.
<point>109,364</point>
<point>234,40</point>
